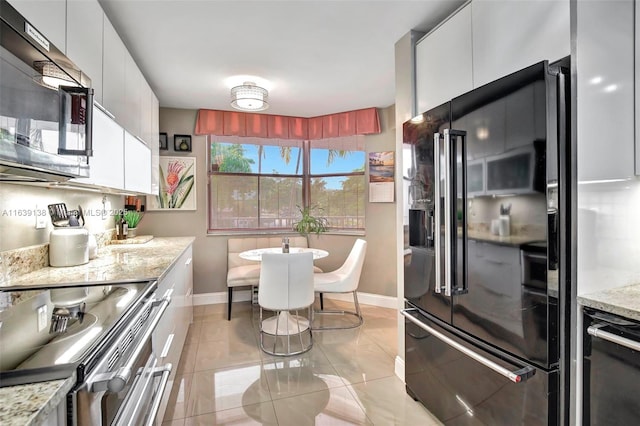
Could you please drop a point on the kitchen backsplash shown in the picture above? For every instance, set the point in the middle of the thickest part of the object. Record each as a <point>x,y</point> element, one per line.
<point>20,205</point>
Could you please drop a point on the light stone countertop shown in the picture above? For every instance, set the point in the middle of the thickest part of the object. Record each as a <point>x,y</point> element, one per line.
<point>623,301</point>
<point>30,404</point>
<point>114,264</point>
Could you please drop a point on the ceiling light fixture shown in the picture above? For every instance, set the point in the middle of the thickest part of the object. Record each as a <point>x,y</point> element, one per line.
<point>249,97</point>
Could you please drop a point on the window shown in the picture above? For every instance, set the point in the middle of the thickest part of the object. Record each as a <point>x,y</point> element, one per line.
<point>259,184</point>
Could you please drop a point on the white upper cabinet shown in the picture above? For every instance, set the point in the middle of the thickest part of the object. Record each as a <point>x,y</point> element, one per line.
<point>605,94</point>
<point>146,103</point>
<point>84,40</point>
<point>154,144</point>
<point>137,165</point>
<point>107,163</point>
<point>637,85</point>
<point>511,35</point>
<point>48,16</point>
<point>443,61</point>
<point>133,81</point>
<point>113,54</point>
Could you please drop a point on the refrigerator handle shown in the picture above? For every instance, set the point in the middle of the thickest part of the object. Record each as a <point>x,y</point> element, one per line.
<point>437,214</point>
<point>448,211</point>
<point>517,376</point>
<point>596,331</point>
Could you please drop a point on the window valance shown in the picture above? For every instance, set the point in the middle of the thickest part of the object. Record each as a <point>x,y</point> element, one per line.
<point>243,124</point>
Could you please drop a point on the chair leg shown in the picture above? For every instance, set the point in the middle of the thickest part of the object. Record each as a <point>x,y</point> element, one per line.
<point>357,314</point>
<point>321,302</point>
<point>230,299</point>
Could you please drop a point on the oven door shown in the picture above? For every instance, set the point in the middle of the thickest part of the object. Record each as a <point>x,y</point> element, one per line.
<point>126,385</point>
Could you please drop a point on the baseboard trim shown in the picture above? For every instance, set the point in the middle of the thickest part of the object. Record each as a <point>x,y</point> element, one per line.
<point>220,297</point>
<point>399,368</point>
<point>245,295</point>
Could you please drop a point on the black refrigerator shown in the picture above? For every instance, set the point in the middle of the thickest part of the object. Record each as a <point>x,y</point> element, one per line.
<point>481,265</point>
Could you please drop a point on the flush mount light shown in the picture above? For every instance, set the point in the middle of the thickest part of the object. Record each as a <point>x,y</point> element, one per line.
<point>249,97</point>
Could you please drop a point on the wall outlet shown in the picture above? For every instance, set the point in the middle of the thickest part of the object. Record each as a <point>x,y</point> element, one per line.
<point>41,217</point>
<point>42,318</point>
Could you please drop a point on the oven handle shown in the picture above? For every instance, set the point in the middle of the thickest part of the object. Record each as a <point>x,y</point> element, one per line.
<point>157,399</point>
<point>130,413</point>
<point>596,331</point>
<point>122,375</point>
<point>517,376</point>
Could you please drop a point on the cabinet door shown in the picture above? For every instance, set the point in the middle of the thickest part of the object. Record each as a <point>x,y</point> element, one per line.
<point>443,62</point>
<point>48,16</point>
<point>511,35</point>
<point>113,97</point>
<point>133,96</point>
<point>106,167</point>
<point>605,94</point>
<point>146,97</point>
<point>84,40</point>
<point>137,165</point>
<point>637,68</point>
<point>154,144</point>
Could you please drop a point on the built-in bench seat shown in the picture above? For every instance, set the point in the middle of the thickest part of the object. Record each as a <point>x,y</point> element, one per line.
<point>242,272</point>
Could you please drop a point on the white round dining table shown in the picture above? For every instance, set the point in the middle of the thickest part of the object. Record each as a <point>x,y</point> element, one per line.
<point>256,254</point>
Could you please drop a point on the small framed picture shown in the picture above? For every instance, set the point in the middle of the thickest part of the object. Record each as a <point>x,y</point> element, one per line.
<point>164,142</point>
<point>182,143</point>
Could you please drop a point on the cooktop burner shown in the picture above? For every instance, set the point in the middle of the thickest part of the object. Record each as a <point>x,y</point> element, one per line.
<point>44,334</point>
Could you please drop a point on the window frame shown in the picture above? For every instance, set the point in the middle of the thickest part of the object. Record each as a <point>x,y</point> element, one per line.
<point>305,175</point>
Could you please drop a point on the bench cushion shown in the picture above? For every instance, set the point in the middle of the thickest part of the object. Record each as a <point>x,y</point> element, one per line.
<point>243,275</point>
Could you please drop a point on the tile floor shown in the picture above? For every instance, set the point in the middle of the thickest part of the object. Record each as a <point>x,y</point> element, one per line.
<point>346,378</point>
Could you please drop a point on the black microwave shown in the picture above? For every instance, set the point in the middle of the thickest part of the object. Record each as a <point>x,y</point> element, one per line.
<point>46,106</point>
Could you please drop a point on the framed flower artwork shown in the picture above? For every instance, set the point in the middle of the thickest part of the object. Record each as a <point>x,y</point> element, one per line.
<point>177,185</point>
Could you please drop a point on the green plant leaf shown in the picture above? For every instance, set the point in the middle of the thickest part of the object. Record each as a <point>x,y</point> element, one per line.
<point>182,191</point>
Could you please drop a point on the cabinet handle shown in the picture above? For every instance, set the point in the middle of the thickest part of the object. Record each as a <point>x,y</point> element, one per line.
<point>167,346</point>
<point>188,262</point>
<point>103,109</point>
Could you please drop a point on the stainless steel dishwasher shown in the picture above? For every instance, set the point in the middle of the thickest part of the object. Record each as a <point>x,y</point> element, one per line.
<point>611,369</point>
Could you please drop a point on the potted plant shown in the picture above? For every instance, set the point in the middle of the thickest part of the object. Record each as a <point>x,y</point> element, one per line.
<point>309,223</point>
<point>132,218</point>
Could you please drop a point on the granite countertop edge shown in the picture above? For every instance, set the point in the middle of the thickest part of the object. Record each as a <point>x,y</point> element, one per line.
<point>20,412</point>
<point>20,408</point>
<point>622,301</point>
<point>114,264</point>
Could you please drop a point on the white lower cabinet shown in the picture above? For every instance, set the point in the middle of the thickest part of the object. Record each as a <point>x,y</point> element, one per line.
<point>171,333</point>
<point>137,165</point>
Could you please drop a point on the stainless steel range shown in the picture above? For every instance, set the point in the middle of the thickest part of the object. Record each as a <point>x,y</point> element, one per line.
<point>103,333</point>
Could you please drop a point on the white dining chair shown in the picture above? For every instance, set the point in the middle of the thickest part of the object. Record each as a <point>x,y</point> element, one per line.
<point>345,279</point>
<point>286,286</point>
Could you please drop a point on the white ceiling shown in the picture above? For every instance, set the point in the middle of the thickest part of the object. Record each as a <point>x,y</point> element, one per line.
<point>319,57</point>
